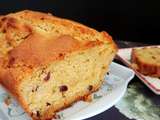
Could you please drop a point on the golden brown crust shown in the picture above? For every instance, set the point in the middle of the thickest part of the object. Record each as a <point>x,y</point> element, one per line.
<point>108,38</point>
<point>32,51</point>
<point>144,67</point>
<point>10,25</point>
<point>39,16</point>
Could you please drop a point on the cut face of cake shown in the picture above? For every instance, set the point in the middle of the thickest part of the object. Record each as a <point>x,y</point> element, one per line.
<point>146,60</point>
<point>48,63</point>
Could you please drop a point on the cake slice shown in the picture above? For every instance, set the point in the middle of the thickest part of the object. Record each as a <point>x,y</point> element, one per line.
<point>48,63</point>
<point>146,60</point>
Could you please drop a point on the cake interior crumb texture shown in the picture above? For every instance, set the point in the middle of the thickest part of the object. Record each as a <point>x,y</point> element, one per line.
<point>147,60</point>
<point>48,63</point>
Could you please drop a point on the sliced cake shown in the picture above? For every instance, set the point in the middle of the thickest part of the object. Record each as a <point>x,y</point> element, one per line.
<point>146,60</point>
<point>48,63</point>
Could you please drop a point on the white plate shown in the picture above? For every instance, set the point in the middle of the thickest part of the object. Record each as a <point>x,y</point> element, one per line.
<point>109,94</point>
<point>152,82</point>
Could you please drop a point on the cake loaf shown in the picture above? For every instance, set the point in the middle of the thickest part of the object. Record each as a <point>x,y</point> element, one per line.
<point>146,60</point>
<point>48,63</point>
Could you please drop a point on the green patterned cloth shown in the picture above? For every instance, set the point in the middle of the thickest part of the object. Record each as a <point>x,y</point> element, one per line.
<point>135,105</point>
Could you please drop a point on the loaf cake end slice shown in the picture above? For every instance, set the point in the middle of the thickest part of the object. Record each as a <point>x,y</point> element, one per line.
<point>146,60</point>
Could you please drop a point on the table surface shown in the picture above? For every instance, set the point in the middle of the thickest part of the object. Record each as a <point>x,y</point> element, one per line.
<point>113,113</point>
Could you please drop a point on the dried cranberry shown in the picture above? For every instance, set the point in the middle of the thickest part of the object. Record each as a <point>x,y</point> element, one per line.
<point>35,89</point>
<point>4,30</point>
<point>4,18</point>
<point>61,55</point>
<point>38,114</point>
<point>32,114</point>
<point>153,57</point>
<point>63,88</point>
<point>11,61</point>
<point>57,116</point>
<point>42,18</point>
<point>48,104</point>
<point>48,76</point>
<point>90,87</point>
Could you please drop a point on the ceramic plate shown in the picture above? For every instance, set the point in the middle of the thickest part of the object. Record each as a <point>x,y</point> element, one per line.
<point>110,93</point>
<point>152,82</point>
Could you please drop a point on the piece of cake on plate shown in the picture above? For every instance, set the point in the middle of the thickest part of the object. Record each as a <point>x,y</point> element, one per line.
<point>146,60</point>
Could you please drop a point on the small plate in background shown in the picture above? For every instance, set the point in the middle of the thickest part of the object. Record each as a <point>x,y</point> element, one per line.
<point>152,82</point>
